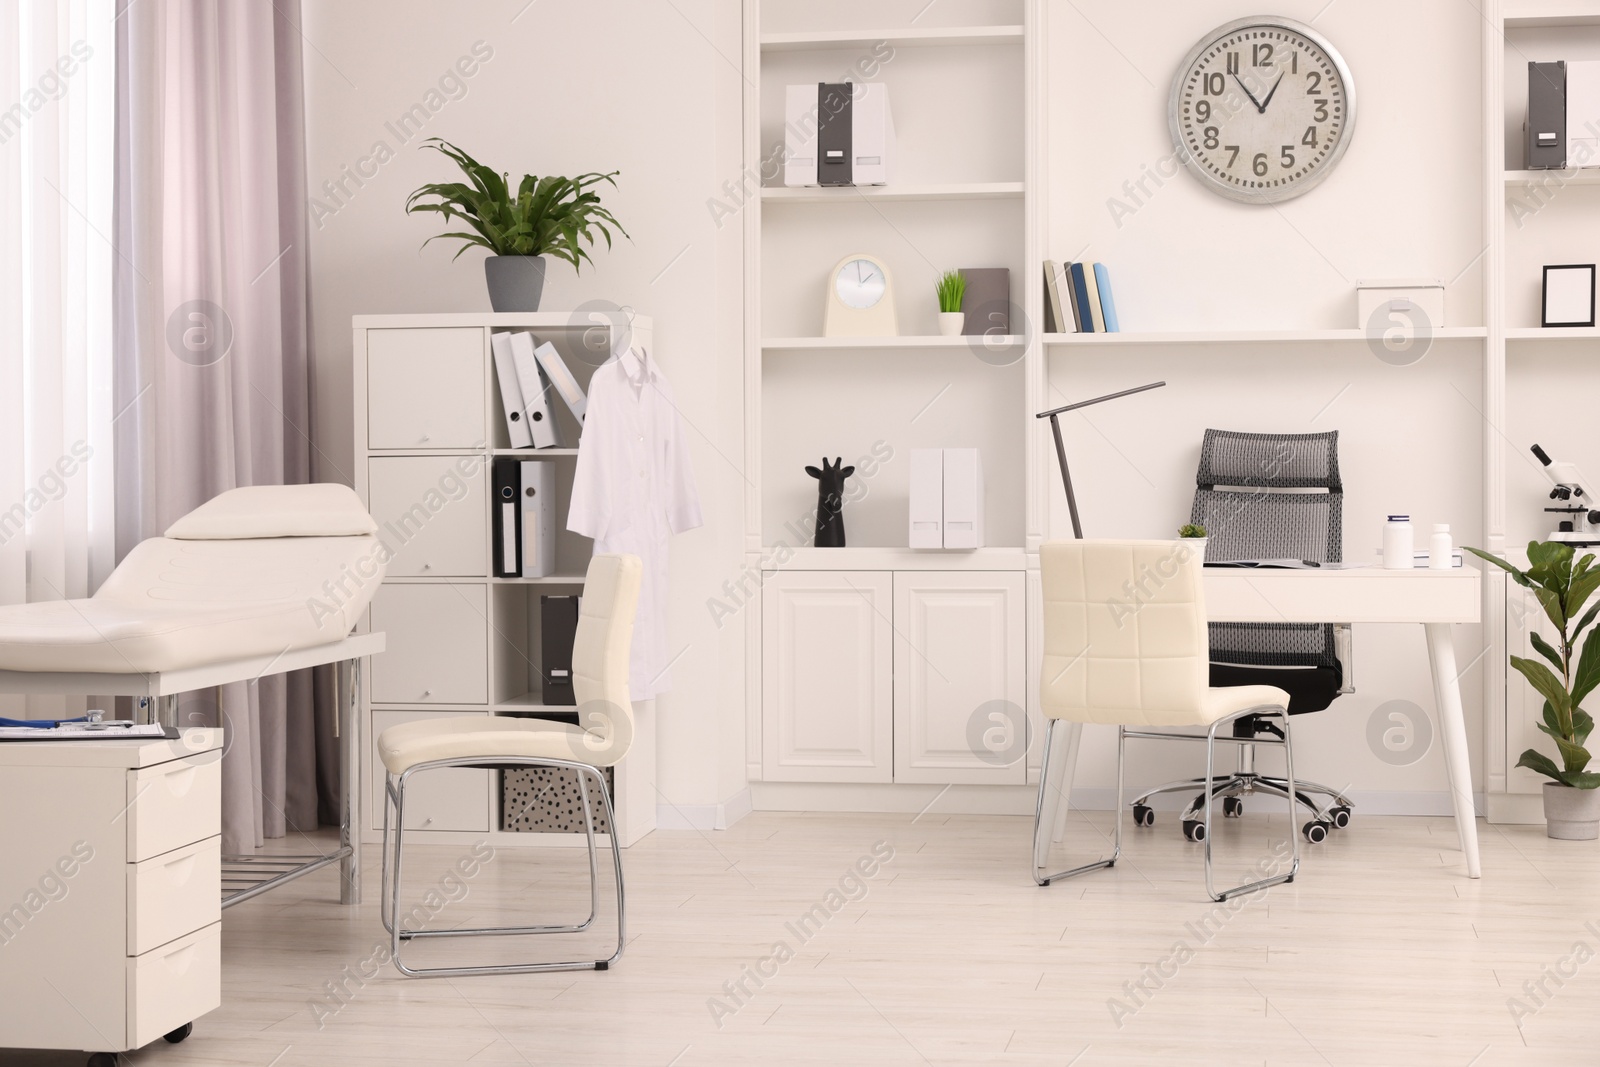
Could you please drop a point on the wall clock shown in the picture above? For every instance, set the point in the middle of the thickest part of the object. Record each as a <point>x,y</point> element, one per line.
<point>1262,109</point>
<point>860,300</point>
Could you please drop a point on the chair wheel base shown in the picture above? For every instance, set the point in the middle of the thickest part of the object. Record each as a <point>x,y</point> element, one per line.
<point>1339,816</point>
<point>1232,808</point>
<point>1316,832</point>
<point>1194,830</point>
<point>1143,815</point>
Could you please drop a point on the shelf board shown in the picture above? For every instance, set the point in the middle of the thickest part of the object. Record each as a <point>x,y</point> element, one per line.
<point>807,558</point>
<point>1244,337</point>
<point>1553,333</point>
<point>532,702</point>
<point>552,579</point>
<point>784,344</point>
<point>534,453</point>
<point>900,193</point>
<point>515,320</point>
<point>1583,176</point>
<point>903,38</point>
<point>1549,14</point>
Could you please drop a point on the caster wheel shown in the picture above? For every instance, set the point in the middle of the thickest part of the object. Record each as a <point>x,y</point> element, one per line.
<point>1232,807</point>
<point>1143,815</point>
<point>1194,830</point>
<point>1340,817</point>
<point>104,1059</point>
<point>1316,832</point>
<point>180,1033</point>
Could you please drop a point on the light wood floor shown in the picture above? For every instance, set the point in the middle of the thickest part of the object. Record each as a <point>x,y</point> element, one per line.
<point>1381,952</point>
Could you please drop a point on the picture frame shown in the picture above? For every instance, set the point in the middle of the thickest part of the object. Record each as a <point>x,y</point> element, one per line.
<point>1567,295</point>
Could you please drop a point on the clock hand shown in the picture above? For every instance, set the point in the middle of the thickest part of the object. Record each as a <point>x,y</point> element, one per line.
<point>1268,100</point>
<point>1251,95</point>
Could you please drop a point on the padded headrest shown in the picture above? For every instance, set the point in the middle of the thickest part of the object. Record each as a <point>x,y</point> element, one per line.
<point>321,510</point>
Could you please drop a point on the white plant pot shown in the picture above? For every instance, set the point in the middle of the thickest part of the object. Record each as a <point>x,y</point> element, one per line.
<point>1196,545</point>
<point>950,323</point>
<point>1571,814</point>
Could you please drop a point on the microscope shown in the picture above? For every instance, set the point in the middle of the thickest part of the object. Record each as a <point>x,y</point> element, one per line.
<point>1579,524</point>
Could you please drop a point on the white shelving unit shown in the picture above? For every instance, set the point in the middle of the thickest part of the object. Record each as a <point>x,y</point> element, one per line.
<point>1246,337</point>
<point>428,426</point>
<point>822,728</point>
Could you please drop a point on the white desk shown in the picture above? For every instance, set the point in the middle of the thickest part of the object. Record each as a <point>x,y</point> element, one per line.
<point>1435,599</point>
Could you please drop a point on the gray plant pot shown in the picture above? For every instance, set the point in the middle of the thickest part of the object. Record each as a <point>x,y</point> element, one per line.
<point>1571,814</point>
<point>515,282</point>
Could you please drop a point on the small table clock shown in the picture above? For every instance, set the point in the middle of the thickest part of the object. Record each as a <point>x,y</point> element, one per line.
<point>860,300</point>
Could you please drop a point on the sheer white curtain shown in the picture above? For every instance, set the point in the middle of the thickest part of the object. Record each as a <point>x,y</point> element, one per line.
<point>57,78</point>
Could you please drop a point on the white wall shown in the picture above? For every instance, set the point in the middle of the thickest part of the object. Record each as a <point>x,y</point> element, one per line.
<point>651,90</point>
<point>1406,201</point>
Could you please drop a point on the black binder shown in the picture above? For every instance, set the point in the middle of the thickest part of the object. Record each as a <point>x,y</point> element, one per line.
<point>1547,116</point>
<point>835,128</point>
<point>507,517</point>
<point>558,630</point>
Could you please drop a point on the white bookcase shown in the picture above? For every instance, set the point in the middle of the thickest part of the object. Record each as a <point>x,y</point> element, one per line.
<point>971,85</point>
<point>428,424</point>
<point>841,688</point>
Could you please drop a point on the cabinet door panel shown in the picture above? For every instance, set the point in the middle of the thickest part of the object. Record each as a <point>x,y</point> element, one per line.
<point>438,650</point>
<point>426,388</point>
<point>960,687</point>
<point>455,798</point>
<point>827,682</point>
<point>433,516</point>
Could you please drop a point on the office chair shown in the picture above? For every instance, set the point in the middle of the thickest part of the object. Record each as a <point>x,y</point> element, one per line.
<point>1137,670</point>
<point>602,738</point>
<point>1270,496</point>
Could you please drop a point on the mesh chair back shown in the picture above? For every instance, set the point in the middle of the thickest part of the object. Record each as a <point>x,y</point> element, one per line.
<point>1271,496</point>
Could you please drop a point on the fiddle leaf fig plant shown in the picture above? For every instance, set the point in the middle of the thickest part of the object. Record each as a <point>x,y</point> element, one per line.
<point>542,216</point>
<point>1562,587</point>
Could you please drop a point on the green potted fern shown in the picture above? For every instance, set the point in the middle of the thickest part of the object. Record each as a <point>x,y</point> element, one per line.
<point>951,289</point>
<point>547,216</point>
<point>1562,587</point>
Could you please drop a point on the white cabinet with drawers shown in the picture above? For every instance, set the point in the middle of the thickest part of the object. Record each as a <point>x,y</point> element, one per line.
<point>110,908</point>
<point>904,676</point>
<point>429,426</point>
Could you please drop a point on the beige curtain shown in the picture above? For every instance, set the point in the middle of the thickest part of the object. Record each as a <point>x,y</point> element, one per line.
<point>211,380</point>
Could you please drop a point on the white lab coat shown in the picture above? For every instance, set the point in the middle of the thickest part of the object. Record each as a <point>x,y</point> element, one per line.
<point>632,490</point>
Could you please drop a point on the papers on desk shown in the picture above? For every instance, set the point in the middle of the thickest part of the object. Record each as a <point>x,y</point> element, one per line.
<point>82,731</point>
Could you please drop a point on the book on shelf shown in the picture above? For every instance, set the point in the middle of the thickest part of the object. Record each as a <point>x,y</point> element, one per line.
<point>1108,309</point>
<point>1057,298</point>
<point>1080,299</point>
<point>987,302</point>
<point>1091,286</point>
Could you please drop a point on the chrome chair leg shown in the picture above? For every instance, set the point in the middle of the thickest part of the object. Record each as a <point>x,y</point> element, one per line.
<point>1042,826</point>
<point>1294,838</point>
<point>396,788</point>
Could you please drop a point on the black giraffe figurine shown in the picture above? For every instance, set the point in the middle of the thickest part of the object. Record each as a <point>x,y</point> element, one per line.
<point>830,502</point>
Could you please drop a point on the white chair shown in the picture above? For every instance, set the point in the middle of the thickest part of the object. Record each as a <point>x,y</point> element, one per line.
<point>1125,644</point>
<point>600,739</point>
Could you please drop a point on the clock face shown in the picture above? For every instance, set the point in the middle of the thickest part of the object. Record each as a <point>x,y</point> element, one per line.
<point>1261,109</point>
<point>860,284</point>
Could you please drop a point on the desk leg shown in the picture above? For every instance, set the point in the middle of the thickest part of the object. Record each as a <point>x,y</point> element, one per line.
<point>1453,727</point>
<point>348,709</point>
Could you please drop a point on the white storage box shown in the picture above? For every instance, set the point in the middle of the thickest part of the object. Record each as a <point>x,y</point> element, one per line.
<point>1401,295</point>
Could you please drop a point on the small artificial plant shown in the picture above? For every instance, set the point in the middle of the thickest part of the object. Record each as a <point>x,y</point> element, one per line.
<point>951,287</point>
<point>544,216</point>
<point>1562,589</point>
<point>1190,529</point>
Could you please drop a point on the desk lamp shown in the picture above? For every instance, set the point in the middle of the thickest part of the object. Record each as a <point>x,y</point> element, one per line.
<point>1061,449</point>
